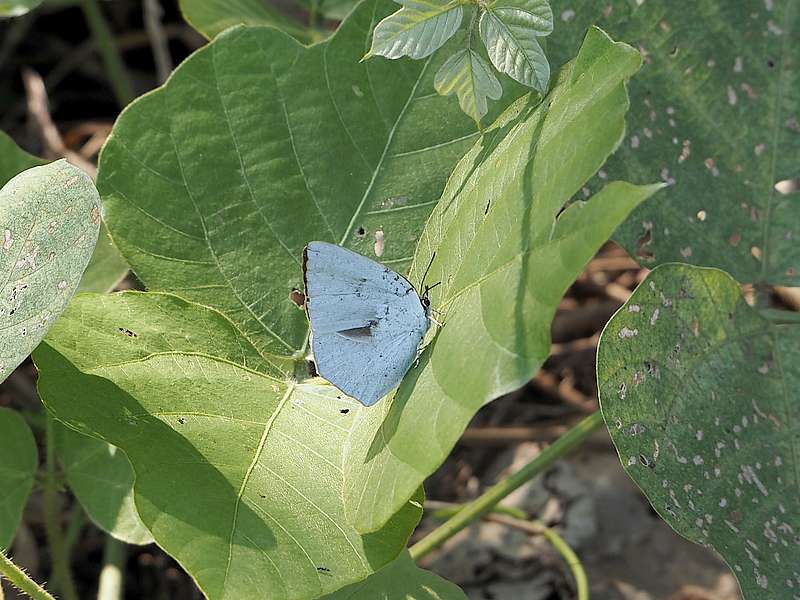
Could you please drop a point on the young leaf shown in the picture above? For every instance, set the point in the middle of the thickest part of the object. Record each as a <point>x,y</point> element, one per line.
<point>18,461</point>
<point>719,122</point>
<point>418,29</point>
<point>699,393</point>
<point>238,473</point>
<point>51,217</point>
<point>509,31</point>
<point>504,257</point>
<point>101,478</point>
<point>401,579</point>
<point>467,75</point>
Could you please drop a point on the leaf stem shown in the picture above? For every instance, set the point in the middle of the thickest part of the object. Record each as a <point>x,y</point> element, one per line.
<point>55,539</point>
<point>20,580</point>
<point>111,577</point>
<point>104,40</point>
<point>486,501</point>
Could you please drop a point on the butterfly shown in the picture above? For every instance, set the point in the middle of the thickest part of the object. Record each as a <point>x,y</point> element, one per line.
<point>367,322</point>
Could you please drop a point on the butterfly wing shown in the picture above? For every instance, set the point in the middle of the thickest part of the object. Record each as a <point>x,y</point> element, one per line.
<point>366,321</point>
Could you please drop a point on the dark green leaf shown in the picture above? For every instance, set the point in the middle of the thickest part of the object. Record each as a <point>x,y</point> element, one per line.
<point>18,461</point>
<point>719,120</point>
<point>700,395</point>
<point>418,29</point>
<point>504,257</point>
<point>466,74</point>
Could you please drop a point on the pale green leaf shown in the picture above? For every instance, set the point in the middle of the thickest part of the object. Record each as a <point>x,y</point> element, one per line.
<point>101,478</point>
<point>504,257</point>
<point>211,17</point>
<point>51,217</point>
<point>466,74</point>
<point>699,393</point>
<point>18,462</point>
<point>512,46</point>
<point>106,269</point>
<point>418,29</point>
<point>237,472</point>
<point>17,8</point>
<point>401,579</point>
<point>214,183</point>
<point>534,15</point>
<point>719,120</point>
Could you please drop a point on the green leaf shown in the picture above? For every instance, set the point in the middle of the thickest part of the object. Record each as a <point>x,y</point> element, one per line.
<point>202,206</point>
<point>17,8</point>
<point>504,257</point>
<point>195,408</point>
<point>211,17</point>
<point>51,216</point>
<point>101,478</point>
<point>466,74</point>
<point>18,462</point>
<point>401,579</point>
<point>718,121</point>
<point>13,159</point>
<point>700,395</point>
<point>106,269</point>
<point>418,29</point>
<point>509,32</point>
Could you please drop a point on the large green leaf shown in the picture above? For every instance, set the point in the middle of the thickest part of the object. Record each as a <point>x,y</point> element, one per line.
<point>418,29</point>
<point>51,217</point>
<point>101,478</point>
<point>504,257</point>
<point>466,74</point>
<point>18,461</point>
<point>509,29</point>
<point>716,110</point>
<point>401,579</point>
<point>214,183</point>
<point>211,17</point>
<point>238,473</point>
<point>700,395</point>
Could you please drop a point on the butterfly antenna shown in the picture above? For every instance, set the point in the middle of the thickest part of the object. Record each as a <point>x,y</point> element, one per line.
<point>428,268</point>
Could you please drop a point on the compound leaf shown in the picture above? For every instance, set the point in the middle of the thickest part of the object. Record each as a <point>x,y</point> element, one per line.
<point>418,29</point>
<point>719,122</point>
<point>468,76</point>
<point>504,257</point>
<point>51,218</point>
<point>18,462</point>
<point>699,393</point>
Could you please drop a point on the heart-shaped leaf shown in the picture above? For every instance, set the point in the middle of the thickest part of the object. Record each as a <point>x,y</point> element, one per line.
<point>51,217</point>
<point>466,74</point>
<point>401,579</point>
<point>193,405</point>
<point>101,477</point>
<point>418,29</point>
<point>509,32</point>
<point>505,257</point>
<point>700,395</point>
<point>720,121</point>
<point>18,461</point>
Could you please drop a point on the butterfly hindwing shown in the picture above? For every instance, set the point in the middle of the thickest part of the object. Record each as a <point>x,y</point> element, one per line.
<point>366,321</point>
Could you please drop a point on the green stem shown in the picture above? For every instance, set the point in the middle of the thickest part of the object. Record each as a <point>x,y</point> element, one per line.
<point>20,580</point>
<point>111,576</point>
<point>572,560</point>
<point>104,40</point>
<point>486,501</point>
<point>55,539</point>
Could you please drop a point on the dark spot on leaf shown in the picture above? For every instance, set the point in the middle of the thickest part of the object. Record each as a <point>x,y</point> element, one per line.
<point>486,210</point>
<point>297,297</point>
<point>312,368</point>
<point>361,232</point>
<point>344,411</point>
<point>325,570</point>
<point>674,52</point>
<point>181,420</point>
<point>770,63</point>
<point>127,332</point>
<point>262,496</point>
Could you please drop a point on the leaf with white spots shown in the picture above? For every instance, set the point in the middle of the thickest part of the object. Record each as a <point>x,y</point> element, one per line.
<point>18,462</point>
<point>197,409</point>
<point>418,29</point>
<point>467,75</point>
<point>720,121</point>
<point>703,407</point>
<point>505,253</point>
<point>49,221</point>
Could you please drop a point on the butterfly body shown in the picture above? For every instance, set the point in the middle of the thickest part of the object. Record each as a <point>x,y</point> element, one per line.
<point>367,322</point>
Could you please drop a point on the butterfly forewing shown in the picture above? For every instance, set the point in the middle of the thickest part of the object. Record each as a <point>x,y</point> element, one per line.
<point>367,321</point>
